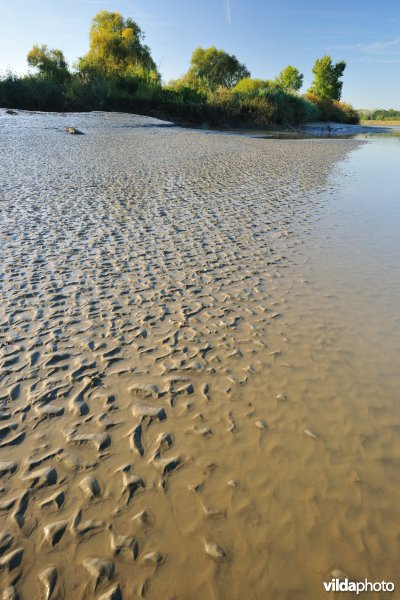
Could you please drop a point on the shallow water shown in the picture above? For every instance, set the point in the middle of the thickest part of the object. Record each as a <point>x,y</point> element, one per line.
<point>351,132</point>
<point>249,290</point>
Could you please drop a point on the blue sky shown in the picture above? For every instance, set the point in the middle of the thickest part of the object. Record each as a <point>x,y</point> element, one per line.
<point>265,35</point>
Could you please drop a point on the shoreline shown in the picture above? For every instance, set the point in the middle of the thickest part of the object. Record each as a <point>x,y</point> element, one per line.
<point>312,130</point>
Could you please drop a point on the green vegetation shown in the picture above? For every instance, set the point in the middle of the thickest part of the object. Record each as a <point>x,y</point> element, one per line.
<point>117,48</point>
<point>51,64</point>
<point>250,86</point>
<point>290,78</point>
<point>211,69</point>
<point>270,103</point>
<point>379,115</point>
<point>333,110</point>
<point>326,83</point>
<point>118,73</point>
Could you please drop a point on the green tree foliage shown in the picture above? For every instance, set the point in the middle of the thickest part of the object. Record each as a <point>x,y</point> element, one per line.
<point>290,78</point>
<point>249,86</point>
<point>49,62</point>
<point>379,114</point>
<point>326,83</point>
<point>211,68</point>
<point>117,48</point>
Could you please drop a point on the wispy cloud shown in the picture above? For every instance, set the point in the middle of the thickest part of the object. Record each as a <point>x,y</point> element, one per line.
<point>385,52</point>
<point>386,47</point>
<point>228,12</point>
<point>386,60</point>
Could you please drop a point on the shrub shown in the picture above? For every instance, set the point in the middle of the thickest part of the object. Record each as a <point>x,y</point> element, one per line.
<point>291,109</point>
<point>349,113</point>
<point>334,110</point>
<point>183,101</point>
<point>249,86</point>
<point>31,93</point>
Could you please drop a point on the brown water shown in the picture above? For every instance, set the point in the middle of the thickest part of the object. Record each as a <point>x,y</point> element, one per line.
<point>200,358</point>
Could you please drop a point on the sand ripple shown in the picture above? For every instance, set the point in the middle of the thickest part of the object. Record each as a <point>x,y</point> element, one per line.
<point>142,453</point>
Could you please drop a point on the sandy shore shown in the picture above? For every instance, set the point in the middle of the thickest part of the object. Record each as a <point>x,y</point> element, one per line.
<point>152,444</point>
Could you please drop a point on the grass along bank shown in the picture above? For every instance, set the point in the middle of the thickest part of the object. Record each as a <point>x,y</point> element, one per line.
<point>381,122</point>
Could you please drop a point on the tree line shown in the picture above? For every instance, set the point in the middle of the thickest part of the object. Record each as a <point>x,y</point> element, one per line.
<point>119,73</point>
<point>379,114</point>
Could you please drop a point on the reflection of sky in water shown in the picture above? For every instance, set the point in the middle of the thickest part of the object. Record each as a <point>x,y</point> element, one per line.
<point>363,233</point>
<point>353,250</point>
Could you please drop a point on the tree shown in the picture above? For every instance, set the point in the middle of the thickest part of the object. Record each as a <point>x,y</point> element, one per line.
<point>116,47</point>
<point>211,68</point>
<point>290,78</point>
<point>326,83</point>
<point>49,62</point>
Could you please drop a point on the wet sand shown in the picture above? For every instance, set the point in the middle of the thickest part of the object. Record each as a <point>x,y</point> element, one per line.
<point>181,413</point>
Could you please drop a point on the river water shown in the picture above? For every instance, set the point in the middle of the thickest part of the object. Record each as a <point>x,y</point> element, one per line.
<point>199,361</point>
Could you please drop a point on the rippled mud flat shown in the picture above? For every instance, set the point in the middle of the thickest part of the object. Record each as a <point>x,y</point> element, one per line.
<point>183,414</point>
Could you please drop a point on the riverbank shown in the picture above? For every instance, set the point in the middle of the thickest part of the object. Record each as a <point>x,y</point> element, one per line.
<point>224,107</point>
<point>318,129</point>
